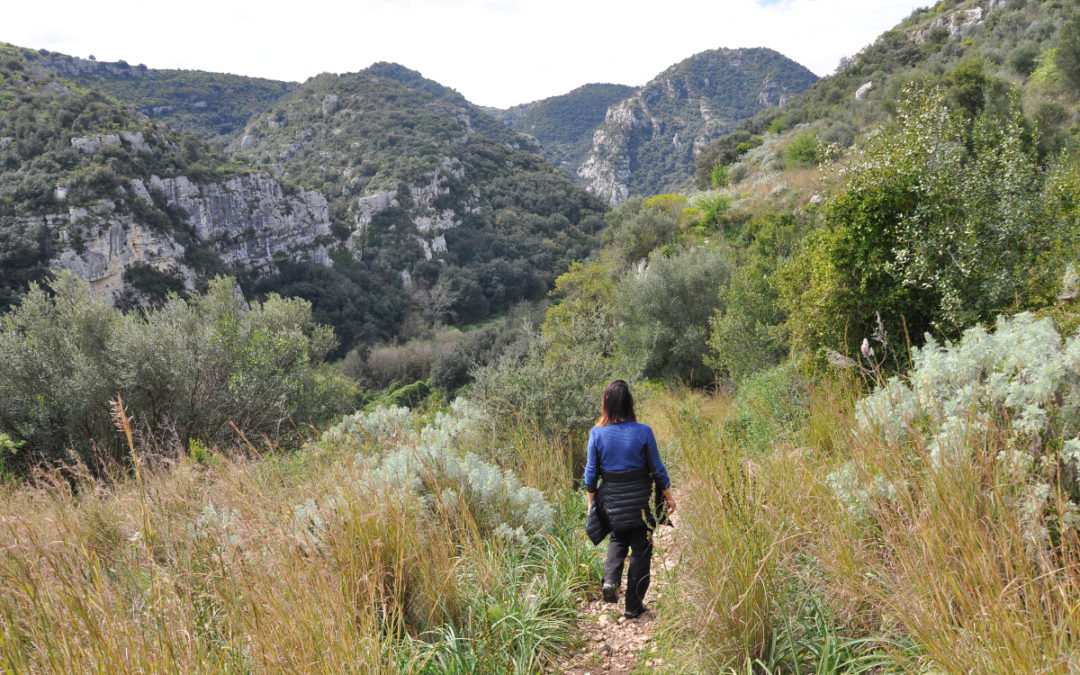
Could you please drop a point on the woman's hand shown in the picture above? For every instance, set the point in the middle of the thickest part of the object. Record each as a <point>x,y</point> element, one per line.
<point>670,501</point>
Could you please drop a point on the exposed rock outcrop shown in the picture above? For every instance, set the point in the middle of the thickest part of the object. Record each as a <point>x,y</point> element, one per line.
<point>648,141</point>
<point>248,222</point>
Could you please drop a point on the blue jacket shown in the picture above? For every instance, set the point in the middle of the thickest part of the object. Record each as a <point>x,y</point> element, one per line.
<point>621,447</point>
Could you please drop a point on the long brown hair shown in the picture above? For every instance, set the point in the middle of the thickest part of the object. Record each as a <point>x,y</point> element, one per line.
<point>617,405</point>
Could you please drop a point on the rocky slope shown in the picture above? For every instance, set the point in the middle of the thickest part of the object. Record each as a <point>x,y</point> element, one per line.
<point>564,125</point>
<point>421,195</point>
<point>960,44</point>
<point>647,143</point>
<point>130,206</point>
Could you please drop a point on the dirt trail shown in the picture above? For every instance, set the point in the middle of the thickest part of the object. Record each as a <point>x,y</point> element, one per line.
<point>613,644</point>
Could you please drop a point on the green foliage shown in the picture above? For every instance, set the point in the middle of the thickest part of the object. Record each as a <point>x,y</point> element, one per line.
<point>803,150</point>
<point>633,231</point>
<point>214,106</point>
<point>186,370</point>
<point>742,337</point>
<point>719,175</point>
<point>559,395</point>
<point>777,126</point>
<point>663,313</point>
<point>770,407</point>
<point>584,315</point>
<point>724,151</point>
<point>1068,51</point>
<point>408,396</point>
<point>935,229</point>
<point>713,209</point>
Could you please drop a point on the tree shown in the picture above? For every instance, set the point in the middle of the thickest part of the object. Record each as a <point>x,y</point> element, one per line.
<point>1068,51</point>
<point>934,230</point>
<point>663,313</point>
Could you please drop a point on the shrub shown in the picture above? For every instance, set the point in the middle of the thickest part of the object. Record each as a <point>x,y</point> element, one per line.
<point>663,314</point>
<point>937,227</point>
<point>1067,58</point>
<point>803,150</point>
<point>560,395</point>
<point>424,461</point>
<point>188,369</point>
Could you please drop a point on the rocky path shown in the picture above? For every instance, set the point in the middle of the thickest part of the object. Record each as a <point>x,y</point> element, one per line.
<point>613,644</point>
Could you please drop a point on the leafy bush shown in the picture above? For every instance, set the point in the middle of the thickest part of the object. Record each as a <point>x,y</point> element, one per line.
<point>663,313</point>
<point>769,408</point>
<point>559,394</point>
<point>1067,58</point>
<point>1022,373</point>
<point>187,370</point>
<point>743,336</point>
<point>938,227</point>
<point>803,150</point>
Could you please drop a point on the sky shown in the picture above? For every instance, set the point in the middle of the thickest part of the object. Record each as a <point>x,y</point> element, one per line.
<point>496,52</point>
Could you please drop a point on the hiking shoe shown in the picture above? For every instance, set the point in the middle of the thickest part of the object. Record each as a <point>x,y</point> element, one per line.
<point>611,594</point>
<point>635,613</point>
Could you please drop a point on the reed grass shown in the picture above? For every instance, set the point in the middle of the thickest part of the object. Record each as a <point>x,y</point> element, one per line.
<point>291,563</point>
<point>938,573</point>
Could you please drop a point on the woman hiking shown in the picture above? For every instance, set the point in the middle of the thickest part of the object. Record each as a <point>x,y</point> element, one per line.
<point>623,455</point>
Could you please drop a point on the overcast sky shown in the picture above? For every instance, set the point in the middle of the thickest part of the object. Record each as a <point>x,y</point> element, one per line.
<point>495,52</point>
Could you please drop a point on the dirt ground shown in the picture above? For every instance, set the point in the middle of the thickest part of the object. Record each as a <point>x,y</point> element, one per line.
<point>612,643</point>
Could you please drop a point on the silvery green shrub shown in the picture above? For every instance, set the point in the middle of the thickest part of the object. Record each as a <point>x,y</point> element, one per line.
<point>1021,377</point>
<point>1022,371</point>
<point>424,460</point>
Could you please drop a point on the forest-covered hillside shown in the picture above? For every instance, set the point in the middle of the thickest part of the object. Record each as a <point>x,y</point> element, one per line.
<point>465,223</point>
<point>214,106</point>
<point>565,124</point>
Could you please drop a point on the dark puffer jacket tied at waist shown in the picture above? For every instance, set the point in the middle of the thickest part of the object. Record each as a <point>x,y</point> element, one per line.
<point>625,497</point>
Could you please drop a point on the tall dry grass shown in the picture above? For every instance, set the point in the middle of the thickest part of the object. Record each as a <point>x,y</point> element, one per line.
<point>937,572</point>
<point>293,563</point>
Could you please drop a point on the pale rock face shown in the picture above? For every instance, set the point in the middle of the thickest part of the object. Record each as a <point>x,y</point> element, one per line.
<point>248,221</point>
<point>960,23</point>
<point>429,222</point>
<point>608,165</point>
<point>113,244</point>
<point>246,142</point>
<point>136,141</point>
<point>91,144</point>
<point>861,91</point>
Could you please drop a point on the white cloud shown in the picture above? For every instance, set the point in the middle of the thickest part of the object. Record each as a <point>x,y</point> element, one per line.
<point>496,52</point>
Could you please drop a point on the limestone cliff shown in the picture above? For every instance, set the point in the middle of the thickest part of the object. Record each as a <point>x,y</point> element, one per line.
<point>247,222</point>
<point>648,141</point>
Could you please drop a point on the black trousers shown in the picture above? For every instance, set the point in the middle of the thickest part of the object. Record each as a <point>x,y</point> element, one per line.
<point>639,544</point>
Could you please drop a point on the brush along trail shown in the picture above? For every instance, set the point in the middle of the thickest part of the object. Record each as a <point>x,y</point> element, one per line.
<point>612,643</point>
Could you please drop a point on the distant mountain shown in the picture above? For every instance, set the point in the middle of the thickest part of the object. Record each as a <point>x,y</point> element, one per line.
<point>130,205</point>
<point>420,195</point>
<point>215,106</point>
<point>565,124</point>
<point>647,143</point>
